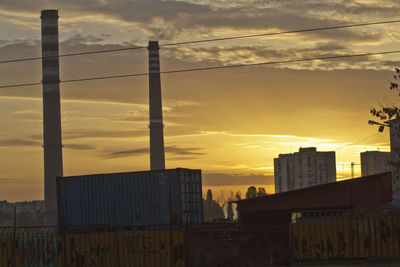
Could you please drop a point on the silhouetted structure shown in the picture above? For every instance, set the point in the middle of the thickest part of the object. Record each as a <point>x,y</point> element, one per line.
<point>53,165</point>
<point>212,211</point>
<point>304,169</point>
<point>374,162</point>
<point>157,159</point>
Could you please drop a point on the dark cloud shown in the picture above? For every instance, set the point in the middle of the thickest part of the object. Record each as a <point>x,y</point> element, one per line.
<point>79,147</point>
<point>133,11</point>
<point>98,133</point>
<point>183,153</point>
<point>80,39</point>
<point>35,143</point>
<point>7,179</point>
<point>187,151</point>
<point>166,20</point>
<point>217,179</point>
<point>19,142</point>
<point>126,153</point>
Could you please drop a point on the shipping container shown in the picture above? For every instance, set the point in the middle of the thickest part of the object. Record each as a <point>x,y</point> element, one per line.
<point>6,247</point>
<point>45,247</point>
<point>30,246</point>
<point>231,246</point>
<point>148,200</point>
<point>140,248</point>
<point>345,237</point>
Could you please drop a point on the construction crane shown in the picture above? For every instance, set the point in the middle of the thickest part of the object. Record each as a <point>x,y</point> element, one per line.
<point>352,168</point>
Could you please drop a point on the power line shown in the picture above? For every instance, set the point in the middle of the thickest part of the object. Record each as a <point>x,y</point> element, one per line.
<point>74,54</point>
<point>357,142</point>
<point>212,68</point>
<point>204,41</point>
<point>285,32</point>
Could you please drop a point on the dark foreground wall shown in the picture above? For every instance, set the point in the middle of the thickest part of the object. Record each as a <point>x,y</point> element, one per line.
<point>257,246</point>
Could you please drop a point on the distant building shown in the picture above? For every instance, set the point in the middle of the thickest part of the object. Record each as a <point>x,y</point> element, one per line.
<point>374,162</point>
<point>6,207</point>
<point>303,169</point>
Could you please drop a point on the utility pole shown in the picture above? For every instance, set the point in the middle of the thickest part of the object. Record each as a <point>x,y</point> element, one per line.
<point>394,126</point>
<point>395,158</point>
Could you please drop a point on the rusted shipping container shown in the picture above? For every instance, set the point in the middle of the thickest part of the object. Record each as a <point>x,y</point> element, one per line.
<point>32,246</point>
<point>365,191</point>
<point>37,248</point>
<point>149,200</point>
<point>345,238</point>
<point>6,253</point>
<point>235,247</point>
<point>155,248</point>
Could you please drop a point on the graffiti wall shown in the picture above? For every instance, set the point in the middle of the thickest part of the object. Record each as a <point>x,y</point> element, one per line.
<point>234,247</point>
<point>157,248</point>
<point>40,251</point>
<point>6,259</point>
<point>124,249</point>
<point>346,237</point>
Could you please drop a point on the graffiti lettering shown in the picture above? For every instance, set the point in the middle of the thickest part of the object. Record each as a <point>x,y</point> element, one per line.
<point>142,244</point>
<point>41,251</point>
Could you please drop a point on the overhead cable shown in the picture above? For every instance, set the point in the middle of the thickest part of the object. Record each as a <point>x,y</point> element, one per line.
<point>212,68</point>
<point>203,41</point>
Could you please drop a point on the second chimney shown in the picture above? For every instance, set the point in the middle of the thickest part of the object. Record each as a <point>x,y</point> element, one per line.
<point>157,158</point>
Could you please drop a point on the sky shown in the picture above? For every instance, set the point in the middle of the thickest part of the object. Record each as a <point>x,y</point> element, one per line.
<point>230,123</point>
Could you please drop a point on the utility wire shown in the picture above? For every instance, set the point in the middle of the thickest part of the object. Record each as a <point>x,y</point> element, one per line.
<point>285,32</point>
<point>357,142</point>
<point>204,41</point>
<point>210,68</point>
<point>73,54</point>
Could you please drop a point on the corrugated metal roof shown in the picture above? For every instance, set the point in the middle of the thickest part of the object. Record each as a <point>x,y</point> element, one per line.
<point>368,190</point>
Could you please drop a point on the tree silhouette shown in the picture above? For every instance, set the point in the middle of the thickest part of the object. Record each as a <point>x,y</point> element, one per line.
<point>261,192</point>
<point>251,192</point>
<point>391,109</point>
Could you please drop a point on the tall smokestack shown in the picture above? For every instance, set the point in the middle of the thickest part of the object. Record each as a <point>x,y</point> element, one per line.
<point>157,159</point>
<point>53,165</point>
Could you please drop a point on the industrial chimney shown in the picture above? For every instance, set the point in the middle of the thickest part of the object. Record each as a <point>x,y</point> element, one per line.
<point>53,164</point>
<point>157,159</point>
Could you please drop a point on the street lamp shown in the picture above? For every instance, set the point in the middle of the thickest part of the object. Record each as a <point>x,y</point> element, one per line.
<point>381,125</point>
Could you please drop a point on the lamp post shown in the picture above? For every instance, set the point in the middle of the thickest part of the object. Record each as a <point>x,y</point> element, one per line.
<point>394,126</point>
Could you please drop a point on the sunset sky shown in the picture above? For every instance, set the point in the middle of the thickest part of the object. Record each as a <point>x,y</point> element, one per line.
<point>229,123</point>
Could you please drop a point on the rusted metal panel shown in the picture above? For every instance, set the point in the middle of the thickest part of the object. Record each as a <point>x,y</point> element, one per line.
<point>91,249</point>
<point>258,246</point>
<point>324,238</point>
<point>346,237</point>
<point>37,251</point>
<point>32,246</point>
<point>365,191</point>
<point>145,249</point>
<point>141,248</point>
<point>149,200</point>
<point>396,237</point>
<point>372,230</point>
<point>342,242</point>
<point>6,256</point>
